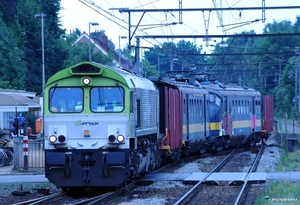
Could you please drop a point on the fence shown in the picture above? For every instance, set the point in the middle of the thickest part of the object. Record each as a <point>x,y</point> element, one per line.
<point>36,155</point>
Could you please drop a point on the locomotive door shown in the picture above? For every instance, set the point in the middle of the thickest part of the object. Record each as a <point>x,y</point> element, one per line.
<point>185,130</point>
<point>173,103</point>
<point>227,117</point>
<point>253,113</point>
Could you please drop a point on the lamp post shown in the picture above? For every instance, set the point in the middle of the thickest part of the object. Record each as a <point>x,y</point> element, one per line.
<point>93,24</point>
<point>41,16</point>
<point>120,37</point>
<point>297,51</point>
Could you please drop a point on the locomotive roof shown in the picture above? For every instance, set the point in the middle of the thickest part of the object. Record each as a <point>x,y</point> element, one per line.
<point>186,87</point>
<point>202,79</point>
<point>96,69</point>
<point>221,89</point>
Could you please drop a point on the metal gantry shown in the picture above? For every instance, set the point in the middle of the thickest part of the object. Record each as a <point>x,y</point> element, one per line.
<point>143,11</point>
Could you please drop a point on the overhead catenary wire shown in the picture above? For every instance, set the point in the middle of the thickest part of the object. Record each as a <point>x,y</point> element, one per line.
<point>90,3</point>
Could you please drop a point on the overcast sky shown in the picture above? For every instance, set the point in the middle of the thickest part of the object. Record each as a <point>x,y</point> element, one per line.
<point>75,14</point>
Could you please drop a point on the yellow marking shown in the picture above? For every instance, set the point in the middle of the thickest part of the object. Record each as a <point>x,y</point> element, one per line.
<point>166,135</point>
<point>193,128</point>
<point>166,147</point>
<point>215,125</point>
<point>241,123</point>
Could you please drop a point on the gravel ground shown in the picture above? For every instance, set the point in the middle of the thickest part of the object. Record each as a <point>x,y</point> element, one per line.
<point>160,192</point>
<point>28,189</point>
<point>166,192</point>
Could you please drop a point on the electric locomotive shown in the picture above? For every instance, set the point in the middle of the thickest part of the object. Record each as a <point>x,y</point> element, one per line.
<point>234,115</point>
<point>92,140</point>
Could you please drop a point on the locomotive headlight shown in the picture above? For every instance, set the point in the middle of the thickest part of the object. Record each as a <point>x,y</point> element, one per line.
<point>86,80</point>
<point>52,138</point>
<point>120,138</point>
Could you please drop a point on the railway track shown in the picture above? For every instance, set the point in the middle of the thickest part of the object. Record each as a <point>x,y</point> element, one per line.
<point>40,200</point>
<point>108,198</point>
<point>240,198</point>
<point>64,198</point>
<point>243,197</point>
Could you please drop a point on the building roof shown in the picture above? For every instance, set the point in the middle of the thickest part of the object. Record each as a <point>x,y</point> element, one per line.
<point>10,102</point>
<point>85,37</point>
<point>103,44</point>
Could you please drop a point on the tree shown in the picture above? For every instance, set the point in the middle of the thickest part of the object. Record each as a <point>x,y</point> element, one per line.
<point>54,47</point>
<point>12,65</point>
<point>276,63</point>
<point>182,55</point>
<point>232,63</point>
<point>284,93</point>
<point>148,69</point>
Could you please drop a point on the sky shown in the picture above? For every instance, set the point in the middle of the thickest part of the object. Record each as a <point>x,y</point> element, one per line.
<point>75,14</point>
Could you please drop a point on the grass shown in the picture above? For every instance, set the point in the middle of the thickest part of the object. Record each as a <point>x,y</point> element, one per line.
<point>283,192</point>
<point>289,161</point>
<point>280,192</point>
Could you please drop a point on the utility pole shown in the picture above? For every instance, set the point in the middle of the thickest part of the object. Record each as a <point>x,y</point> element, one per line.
<point>41,16</point>
<point>119,53</point>
<point>297,51</point>
<point>90,52</point>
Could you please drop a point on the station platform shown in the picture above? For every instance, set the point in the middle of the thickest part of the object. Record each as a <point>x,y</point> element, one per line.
<point>23,179</point>
<point>223,178</point>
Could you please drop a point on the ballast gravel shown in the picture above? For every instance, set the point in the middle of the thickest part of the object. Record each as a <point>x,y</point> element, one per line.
<point>161,192</point>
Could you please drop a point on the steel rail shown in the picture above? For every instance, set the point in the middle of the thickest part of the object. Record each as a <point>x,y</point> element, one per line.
<point>195,189</point>
<point>246,186</point>
<point>40,199</point>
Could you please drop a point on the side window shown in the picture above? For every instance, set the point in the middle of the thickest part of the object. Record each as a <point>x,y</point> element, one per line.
<point>191,107</point>
<point>201,107</point>
<point>184,106</point>
<point>257,107</point>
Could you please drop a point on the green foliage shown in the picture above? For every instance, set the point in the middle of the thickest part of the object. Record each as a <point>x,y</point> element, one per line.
<point>238,69</point>
<point>12,66</point>
<point>288,161</point>
<point>182,55</point>
<point>285,93</point>
<point>148,69</point>
<point>280,192</point>
<point>54,52</point>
